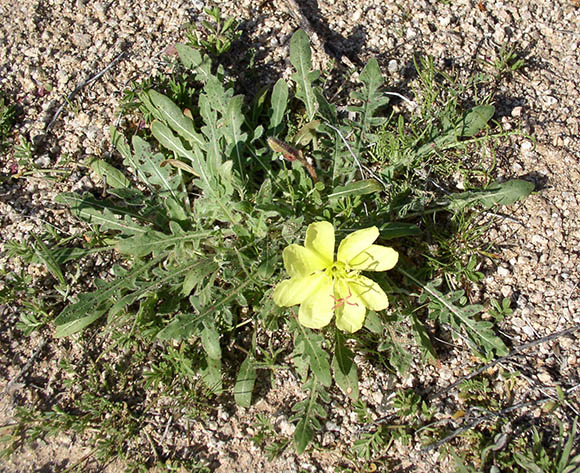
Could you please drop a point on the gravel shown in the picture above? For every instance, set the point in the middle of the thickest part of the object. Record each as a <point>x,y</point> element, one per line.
<point>50,47</point>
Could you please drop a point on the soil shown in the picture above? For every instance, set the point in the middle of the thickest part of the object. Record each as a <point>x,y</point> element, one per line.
<point>50,47</point>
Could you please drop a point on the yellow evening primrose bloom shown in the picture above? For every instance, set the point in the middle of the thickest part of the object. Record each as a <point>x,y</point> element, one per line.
<point>323,286</point>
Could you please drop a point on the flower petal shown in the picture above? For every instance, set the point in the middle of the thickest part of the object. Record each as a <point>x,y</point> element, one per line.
<point>370,293</point>
<point>317,310</point>
<point>375,258</point>
<point>320,239</point>
<point>295,290</point>
<point>300,261</point>
<point>350,310</point>
<point>356,243</point>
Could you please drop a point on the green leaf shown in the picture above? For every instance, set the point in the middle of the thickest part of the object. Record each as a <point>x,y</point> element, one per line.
<point>326,109</point>
<point>507,193</point>
<point>192,59</point>
<point>344,367</point>
<point>213,133</point>
<point>210,339</point>
<point>120,143</point>
<point>47,257</point>
<point>567,464</point>
<point>307,412</point>
<point>279,102</point>
<point>303,435</point>
<point>64,329</point>
<point>373,323</point>
<point>64,255</point>
<point>398,230</point>
<point>185,325</point>
<point>166,183</point>
<point>446,308</point>
<point>211,374</point>
<point>301,59</point>
<point>114,296</point>
<point>310,345</point>
<point>504,193</point>
<point>371,96</point>
<point>174,117</point>
<point>101,213</point>
<point>422,337</point>
<point>367,186</point>
<point>180,328</point>
<point>111,175</point>
<point>245,382</point>
<point>399,357</point>
<point>232,130</point>
<point>527,463</point>
<point>166,137</point>
<point>475,120</point>
<point>162,277</point>
<point>306,134</point>
<point>153,242</point>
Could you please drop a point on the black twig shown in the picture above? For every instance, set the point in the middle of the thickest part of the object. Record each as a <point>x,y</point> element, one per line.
<point>475,422</point>
<point>25,368</point>
<point>516,351</point>
<point>83,84</point>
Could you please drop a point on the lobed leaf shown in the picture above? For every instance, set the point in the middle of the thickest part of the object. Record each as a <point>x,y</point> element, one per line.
<point>371,96</point>
<point>301,59</point>
<point>93,305</point>
<point>344,367</point>
<point>503,193</point>
<point>101,213</point>
<point>192,59</point>
<point>309,344</point>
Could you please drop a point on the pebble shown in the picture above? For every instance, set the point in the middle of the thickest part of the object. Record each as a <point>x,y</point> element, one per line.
<point>526,146</point>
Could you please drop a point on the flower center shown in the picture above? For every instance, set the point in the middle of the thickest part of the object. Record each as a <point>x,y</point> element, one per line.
<point>339,270</point>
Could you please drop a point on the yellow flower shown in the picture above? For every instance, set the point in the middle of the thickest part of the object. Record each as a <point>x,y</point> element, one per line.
<point>323,286</point>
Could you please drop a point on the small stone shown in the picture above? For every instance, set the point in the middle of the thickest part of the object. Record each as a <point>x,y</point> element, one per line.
<point>445,21</point>
<point>529,331</point>
<point>544,377</point>
<point>506,291</point>
<point>286,428</point>
<point>212,425</point>
<point>503,272</point>
<point>331,426</point>
<point>517,112</point>
<point>526,146</point>
<point>43,161</point>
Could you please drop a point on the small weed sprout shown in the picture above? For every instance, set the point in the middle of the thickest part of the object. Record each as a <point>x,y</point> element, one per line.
<point>218,36</point>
